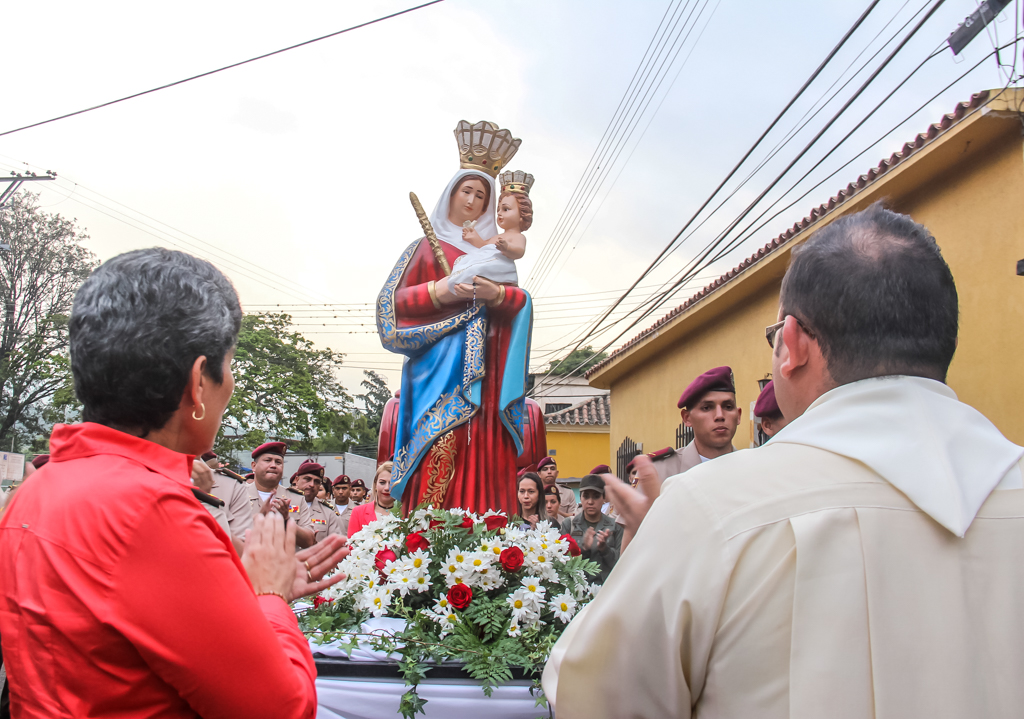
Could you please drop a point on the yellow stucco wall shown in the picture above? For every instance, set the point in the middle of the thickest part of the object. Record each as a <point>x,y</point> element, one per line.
<point>577,452</point>
<point>977,217</point>
<point>973,202</point>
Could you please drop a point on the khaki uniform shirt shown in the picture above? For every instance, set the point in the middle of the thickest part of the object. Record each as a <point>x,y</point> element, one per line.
<point>344,513</point>
<point>678,461</point>
<point>325,520</point>
<point>794,582</point>
<point>298,509</point>
<point>235,517</point>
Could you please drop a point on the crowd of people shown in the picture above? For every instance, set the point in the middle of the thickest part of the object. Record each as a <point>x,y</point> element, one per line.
<point>860,563</point>
<point>318,505</point>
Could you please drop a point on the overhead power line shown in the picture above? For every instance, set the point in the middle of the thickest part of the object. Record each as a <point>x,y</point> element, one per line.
<point>814,75</point>
<point>735,222</point>
<point>669,39</point>
<point>221,69</point>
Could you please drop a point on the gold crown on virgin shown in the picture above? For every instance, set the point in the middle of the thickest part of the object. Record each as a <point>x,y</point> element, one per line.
<point>483,146</point>
<point>517,181</point>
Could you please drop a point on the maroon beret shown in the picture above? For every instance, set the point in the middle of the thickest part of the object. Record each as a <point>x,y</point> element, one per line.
<point>207,456</point>
<point>545,462</point>
<point>358,483</point>
<point>524,470</point>
<point>629,465</point>
<point>766,405</point>
<point>310,468</point>
<point>552,489</point>
<point>601,469</point>
<point>40,460</point>
<point>269,448</point>
<point>341,479</point>
<point>718,379</point>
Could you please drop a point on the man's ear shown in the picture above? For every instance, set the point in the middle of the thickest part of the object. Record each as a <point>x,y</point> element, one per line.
<point>686,417</point>
<point>794,350</point>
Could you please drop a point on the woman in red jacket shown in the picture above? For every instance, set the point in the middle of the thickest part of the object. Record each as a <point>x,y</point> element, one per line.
<point>381,501</point>
<point>126,598</point>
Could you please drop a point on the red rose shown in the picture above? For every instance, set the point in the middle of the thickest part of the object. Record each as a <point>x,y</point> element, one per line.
<point>460,595</point>
<point>467,523</point>
<point>574,549</point>
<point>511,559</point>
<point>416,541</point>
<point>495,521</point>
<point>383,557</point>
<point>319,601</point>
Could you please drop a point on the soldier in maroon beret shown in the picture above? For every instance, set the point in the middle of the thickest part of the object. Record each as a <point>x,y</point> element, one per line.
<point>323,517</point>
<point>358,492</point>
<point>547,470</point>
<point>709,407</point>
<point>267,495</point>
<point>342,488</point>
<point>767,410</point>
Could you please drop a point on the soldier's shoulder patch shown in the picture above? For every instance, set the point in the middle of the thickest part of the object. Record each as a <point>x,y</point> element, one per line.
<point>661,454</point>
<point>295,491</point>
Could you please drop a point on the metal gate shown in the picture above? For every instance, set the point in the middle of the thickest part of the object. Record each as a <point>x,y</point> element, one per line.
<point>684,435</point>
<point>627,450</point>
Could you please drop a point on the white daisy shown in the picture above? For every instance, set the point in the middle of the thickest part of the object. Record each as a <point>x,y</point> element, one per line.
<point>534,587</point>
<point>564,606</point>
<point>524,605</point>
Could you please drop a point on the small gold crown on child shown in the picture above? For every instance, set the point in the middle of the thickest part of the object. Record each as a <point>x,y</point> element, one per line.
<point>517,181</point>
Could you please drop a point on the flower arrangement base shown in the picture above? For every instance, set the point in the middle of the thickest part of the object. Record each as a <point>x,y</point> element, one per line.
<point>370,690</point>
<point>445,614</point>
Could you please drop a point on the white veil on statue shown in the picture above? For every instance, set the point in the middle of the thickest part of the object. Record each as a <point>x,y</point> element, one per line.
<point>448,232</point>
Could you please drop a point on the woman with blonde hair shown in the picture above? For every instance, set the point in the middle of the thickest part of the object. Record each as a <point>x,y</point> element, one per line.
<point>380,502</point>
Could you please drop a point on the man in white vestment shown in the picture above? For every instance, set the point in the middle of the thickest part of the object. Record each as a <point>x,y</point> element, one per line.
<point>866,562</point>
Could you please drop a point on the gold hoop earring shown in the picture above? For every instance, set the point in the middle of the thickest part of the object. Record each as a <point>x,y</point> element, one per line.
<point>201,417</point>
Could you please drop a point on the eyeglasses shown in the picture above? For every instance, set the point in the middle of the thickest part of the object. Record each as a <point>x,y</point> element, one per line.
<point>771,330</point>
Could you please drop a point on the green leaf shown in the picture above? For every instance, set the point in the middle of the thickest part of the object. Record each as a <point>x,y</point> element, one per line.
<point>411,704</point>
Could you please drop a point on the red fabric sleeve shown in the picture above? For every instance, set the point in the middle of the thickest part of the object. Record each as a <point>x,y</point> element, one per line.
<point>414,302</point>
<point>181,596</point>
<point>515,300</point>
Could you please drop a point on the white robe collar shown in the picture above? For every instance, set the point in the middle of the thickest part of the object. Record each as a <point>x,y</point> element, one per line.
<point>944,455</point>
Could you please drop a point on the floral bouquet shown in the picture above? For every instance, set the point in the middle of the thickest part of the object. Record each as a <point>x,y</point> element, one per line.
<point>472,589</point>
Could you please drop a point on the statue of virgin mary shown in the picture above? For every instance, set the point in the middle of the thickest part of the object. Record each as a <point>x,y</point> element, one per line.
<point>459,425</point>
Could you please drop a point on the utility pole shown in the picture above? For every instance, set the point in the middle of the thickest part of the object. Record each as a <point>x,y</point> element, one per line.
<point>15,182</point>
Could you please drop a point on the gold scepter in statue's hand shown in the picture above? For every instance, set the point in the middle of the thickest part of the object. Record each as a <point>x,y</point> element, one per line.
<point>435,244</point>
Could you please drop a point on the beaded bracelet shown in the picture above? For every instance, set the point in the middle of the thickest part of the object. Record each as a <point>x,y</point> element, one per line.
<point>276,594</point>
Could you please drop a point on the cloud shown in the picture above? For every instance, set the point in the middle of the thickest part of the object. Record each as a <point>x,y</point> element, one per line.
<point>263,116</point>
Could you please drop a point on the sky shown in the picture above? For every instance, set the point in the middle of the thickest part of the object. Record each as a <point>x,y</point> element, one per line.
<point>292,173</point>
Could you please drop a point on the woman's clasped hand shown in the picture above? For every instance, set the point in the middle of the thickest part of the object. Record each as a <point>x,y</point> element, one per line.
<point>274,567</point>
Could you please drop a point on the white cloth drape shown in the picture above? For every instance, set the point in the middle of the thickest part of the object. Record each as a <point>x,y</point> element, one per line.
<point>339,698</point>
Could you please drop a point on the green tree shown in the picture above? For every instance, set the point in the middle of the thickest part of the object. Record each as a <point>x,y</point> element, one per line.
<point>569,363</point>
<point>39,275</point>
<point>377,395</point>
<point>285,388</point>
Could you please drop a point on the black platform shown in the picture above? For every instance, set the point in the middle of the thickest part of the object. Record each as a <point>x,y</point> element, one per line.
<point>347,669</point>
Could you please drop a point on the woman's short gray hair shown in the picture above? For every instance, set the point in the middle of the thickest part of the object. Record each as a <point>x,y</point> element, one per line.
<point>137,326</point>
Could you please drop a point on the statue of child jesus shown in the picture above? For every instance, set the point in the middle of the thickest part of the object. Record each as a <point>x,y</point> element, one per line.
<point>494,258</point>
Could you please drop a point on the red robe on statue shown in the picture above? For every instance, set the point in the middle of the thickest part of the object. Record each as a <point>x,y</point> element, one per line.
<point>472,466</point>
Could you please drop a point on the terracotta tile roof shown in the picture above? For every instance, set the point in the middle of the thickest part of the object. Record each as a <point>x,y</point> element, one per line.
<point>595,411</point>
<point>934,130</point>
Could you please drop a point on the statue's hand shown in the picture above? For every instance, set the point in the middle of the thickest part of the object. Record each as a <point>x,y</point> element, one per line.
<point>485,289</point>
<point>463,291</point>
